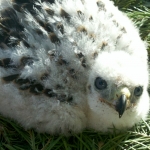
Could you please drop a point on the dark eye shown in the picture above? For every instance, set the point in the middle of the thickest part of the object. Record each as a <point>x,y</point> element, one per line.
<point>138,91</point>
<point>100,83</point>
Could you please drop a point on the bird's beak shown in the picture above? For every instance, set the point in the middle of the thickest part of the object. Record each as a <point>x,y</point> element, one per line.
<point>121,105</point>
<point>122,102</point>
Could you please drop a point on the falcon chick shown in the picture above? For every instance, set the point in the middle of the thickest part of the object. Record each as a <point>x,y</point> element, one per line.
<point>71,64</point>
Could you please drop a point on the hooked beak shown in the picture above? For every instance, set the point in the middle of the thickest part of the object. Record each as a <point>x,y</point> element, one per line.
<point>121,105</point>
<point>123,100</point>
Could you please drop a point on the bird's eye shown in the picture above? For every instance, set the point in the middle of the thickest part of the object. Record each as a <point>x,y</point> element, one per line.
<point>100,84</point>
<point>138,91</point>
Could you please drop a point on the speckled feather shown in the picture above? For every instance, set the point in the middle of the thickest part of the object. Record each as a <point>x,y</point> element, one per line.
<point>51,53</point>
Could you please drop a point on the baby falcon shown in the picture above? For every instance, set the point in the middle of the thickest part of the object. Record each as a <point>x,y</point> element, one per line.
<point>71,64</point>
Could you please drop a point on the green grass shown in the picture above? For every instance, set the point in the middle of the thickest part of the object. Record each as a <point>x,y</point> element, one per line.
<point>14,137</point>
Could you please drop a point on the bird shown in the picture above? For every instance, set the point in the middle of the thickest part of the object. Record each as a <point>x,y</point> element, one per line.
<point>70,65</point>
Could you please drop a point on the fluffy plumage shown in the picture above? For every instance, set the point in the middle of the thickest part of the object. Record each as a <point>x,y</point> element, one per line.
<point>71,64</point>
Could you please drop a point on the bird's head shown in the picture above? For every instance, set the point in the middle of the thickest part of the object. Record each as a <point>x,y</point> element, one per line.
<point>117,80</point>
